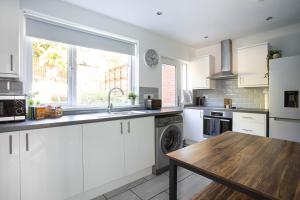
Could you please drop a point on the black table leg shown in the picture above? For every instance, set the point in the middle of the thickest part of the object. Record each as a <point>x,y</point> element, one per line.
<point>173,181</point>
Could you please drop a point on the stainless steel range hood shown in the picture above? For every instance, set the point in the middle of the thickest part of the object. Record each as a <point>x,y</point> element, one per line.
<point>226,62</point>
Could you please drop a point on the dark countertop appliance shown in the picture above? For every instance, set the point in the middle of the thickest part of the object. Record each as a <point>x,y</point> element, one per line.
<point>12,108</point>
<point>153,104</point>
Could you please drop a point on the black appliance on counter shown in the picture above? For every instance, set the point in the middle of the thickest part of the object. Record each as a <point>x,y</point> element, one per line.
<point>12,108</point>
<point>216,122</point>
<point>152,104</point>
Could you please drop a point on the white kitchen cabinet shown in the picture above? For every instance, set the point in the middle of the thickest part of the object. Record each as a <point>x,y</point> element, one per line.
<point>193,124</point>
<point>9,40</point>
<point>139,144</point>
<point>114,149</point>
<point>103,152</point>
<point>252,66</point>
<point>9,166</point>
<point>198,72</point>
<point>51,163</point>
<point>250,123</point>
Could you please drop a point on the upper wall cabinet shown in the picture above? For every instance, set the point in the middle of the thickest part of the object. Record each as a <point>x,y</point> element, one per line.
<point>199,71</point>
<point>252,66</point>
<point>9,40</point>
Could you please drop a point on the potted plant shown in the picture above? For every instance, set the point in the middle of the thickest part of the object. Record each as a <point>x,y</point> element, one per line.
<point>131,97</point>
<point>272,54</point>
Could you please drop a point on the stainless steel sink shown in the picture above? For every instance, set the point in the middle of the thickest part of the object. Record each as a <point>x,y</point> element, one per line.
<point>121,113</point>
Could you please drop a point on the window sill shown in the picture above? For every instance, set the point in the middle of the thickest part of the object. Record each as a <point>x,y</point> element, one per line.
<point>87,110</point>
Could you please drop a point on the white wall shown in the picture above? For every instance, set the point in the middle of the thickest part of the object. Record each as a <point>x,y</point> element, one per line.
<point>147,77</point>
<point>285,38</point>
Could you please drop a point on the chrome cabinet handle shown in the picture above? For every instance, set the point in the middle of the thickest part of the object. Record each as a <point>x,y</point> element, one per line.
<point>10,144</point>
<point>27,142</point>
<point>128,127</point>
<point>245,117</point>
<point>247,130</point>
<point>11,62</point>
<point>121,124</point>
<point>224,120</point>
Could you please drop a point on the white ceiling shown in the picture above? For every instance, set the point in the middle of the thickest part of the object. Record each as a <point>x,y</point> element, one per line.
<point>188,21</point>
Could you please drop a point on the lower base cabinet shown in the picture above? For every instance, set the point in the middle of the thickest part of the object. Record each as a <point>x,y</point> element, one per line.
<point>9,166</point>
<point>114,149</point>
<point>103,155</point>
<point>139,144</point>
<point>61,162</point>
<point>51,163</point>
<point>193,124</point>
<point>250,123</point>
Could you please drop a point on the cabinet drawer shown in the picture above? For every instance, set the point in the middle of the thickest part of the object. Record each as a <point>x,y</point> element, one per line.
<point>253,130</point>
<point>252,118</point>
<point>251,123</point>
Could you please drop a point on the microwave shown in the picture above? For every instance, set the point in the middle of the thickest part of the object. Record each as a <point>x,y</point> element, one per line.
<point>12,108</point>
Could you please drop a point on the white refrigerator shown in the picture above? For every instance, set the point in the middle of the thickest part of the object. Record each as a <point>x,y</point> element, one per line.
<point>284,88</point>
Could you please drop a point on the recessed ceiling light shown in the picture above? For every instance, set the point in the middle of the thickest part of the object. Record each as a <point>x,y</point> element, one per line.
<point>159,13</point>
<point>205,37</point>
<point>269,18</point>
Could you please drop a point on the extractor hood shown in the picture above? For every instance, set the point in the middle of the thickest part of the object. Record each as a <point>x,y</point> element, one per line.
<point>226,62</point>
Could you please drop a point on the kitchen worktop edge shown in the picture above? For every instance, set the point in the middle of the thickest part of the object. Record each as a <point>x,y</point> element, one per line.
<point>69,120</point>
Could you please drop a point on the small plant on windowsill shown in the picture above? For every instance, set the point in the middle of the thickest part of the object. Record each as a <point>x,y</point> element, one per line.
<point>131,97</point>
<point>31,96</point>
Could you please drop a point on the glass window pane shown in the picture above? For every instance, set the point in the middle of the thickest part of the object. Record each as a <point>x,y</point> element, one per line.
<point>97,72</point>
<point>50,71</point>
<point>168,85</point>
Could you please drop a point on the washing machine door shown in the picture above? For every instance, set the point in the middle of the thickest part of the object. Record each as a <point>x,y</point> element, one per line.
<point>171,139</point>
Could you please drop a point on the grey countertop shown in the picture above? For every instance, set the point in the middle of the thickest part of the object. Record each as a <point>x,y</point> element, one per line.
<point>84,118</point>
<point>247,110</point>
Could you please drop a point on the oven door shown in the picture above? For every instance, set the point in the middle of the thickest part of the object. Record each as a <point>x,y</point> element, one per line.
<point>7,108</point>
<point>208,126</point>
<point>225,125</point>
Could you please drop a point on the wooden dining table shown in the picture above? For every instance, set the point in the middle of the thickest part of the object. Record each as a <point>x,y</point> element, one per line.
<point>241,166</point>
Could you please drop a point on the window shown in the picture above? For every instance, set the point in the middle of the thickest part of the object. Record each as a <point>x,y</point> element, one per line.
<point>78,76</point>
<point>168,85</point>
<point>50,71</point>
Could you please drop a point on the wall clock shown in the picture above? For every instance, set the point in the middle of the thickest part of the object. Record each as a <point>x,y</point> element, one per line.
<point>151,58</point>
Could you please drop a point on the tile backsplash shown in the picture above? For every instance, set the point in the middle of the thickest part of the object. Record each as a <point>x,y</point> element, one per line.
<point>147,90</point>
<point>11,87</point>
<point>241,97</point>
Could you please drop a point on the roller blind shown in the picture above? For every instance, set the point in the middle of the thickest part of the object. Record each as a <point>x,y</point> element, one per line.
<point>58,32</point>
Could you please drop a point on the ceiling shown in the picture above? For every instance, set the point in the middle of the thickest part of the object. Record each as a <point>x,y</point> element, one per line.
<point>188,21</point>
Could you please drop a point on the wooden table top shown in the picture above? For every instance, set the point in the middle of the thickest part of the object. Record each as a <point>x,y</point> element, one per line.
<point>266,166</point>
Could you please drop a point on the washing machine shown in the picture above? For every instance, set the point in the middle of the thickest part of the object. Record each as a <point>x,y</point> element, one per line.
<point>168,138</point>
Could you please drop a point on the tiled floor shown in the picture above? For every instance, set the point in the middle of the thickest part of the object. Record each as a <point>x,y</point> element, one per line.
<point>157,187</point>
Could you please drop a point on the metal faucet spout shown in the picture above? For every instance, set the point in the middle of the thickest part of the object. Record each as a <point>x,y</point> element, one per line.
<point>110,105</point>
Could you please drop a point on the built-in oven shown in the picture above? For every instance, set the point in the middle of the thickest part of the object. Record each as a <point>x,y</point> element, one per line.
<point>216,122</point>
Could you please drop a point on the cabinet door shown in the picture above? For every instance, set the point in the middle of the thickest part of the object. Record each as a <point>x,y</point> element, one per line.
<point>199,71</point>
<point>252,66</point>
<point>9,166</point>
<point>51,163</point>
<point>9,40</point>
<point>103,153</point>
<point>193,124</point>
<point>139,144</point>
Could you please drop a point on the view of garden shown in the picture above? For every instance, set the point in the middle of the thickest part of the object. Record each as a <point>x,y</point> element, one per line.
<point>96,72</point>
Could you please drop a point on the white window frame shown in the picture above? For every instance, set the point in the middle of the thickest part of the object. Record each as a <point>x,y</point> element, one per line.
<point>72,75</point>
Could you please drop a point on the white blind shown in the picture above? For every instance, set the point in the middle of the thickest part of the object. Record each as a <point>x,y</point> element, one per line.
<point>49,30</point>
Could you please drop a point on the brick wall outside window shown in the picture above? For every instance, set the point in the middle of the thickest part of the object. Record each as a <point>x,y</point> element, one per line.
<point>168,85</point>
